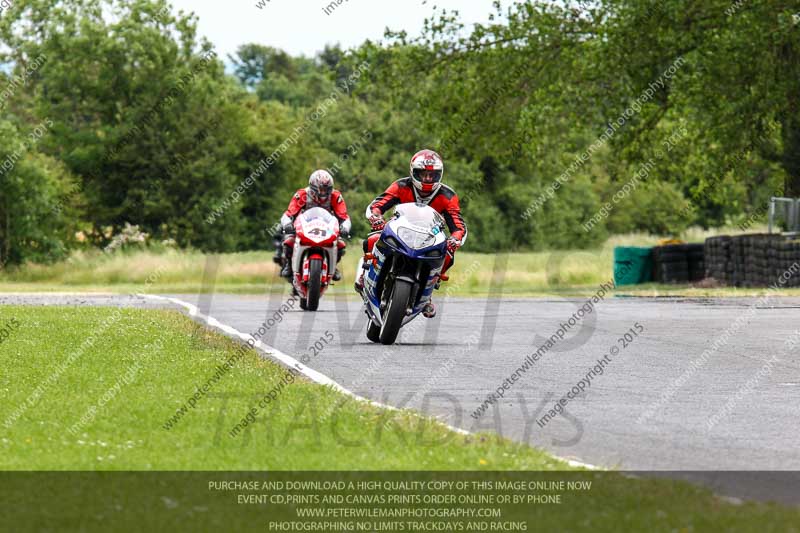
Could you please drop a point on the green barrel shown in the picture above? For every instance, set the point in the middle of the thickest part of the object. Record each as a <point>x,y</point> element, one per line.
<point>632,265</point>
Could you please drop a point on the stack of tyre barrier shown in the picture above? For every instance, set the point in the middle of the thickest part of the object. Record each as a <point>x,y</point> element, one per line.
<point>787,260</point>
<point>718,259</point>
<point>679,263</point>
<point>696,257</point>
<point>756,260</point>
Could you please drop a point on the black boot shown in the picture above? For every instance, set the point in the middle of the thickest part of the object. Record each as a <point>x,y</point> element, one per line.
<point>337,276</point>
<point>277,240</point>
<point>286,271</point>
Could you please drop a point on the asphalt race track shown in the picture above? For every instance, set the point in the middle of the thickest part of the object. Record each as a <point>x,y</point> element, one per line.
<point>652,408</point>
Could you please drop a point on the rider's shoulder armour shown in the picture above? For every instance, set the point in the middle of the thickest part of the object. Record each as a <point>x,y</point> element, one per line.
<point>446,191</point>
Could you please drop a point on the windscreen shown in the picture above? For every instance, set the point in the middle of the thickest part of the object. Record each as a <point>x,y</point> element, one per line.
<point>318,212</point>
<point>420,215</point>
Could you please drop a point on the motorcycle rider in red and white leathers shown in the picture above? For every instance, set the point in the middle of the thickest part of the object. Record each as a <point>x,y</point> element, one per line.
<point>425,186</point>
<point>319,193</point>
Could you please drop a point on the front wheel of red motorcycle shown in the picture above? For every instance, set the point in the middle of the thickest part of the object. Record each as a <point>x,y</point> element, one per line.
<point>314,283</point>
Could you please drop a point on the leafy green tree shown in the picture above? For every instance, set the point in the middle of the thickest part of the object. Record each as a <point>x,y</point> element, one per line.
<point>651,208</point>
<point>253,63</point>
<point>693,64</point>
<point>129,88</point>
<point>542,115</point>
<point>35,225</point>
<point>738,86</point>
<point>544,80</point>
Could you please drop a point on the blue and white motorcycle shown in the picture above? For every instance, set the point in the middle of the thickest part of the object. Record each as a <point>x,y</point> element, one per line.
<point>402,270</point>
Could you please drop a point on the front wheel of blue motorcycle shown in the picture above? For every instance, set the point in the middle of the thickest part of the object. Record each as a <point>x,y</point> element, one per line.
<point>373,331</point>
<point>395,311</point>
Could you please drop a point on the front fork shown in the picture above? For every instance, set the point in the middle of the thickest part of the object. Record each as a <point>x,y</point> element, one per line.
<point>389,287</point>
<point>306,267</point>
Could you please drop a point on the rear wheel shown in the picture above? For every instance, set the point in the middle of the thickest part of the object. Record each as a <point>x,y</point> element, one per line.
<point>314,283</point>
<point>395,311</point>
<point>373,331</point>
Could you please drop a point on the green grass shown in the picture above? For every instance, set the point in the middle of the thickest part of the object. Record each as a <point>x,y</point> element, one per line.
<point>557,273</point>
<point>172,355</point>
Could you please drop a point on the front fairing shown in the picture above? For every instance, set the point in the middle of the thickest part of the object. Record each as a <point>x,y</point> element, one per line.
<point>417,231</point>
<point>412,244</point>
<point>317,226</point>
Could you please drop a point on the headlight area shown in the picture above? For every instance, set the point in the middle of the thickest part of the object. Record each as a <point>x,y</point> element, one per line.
<point>416,239</point>
<point>434,254</point>
<point>391,241</point>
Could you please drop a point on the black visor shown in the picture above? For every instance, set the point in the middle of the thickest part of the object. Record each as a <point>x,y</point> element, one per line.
<point>420,172</point>
<point>322,191</point>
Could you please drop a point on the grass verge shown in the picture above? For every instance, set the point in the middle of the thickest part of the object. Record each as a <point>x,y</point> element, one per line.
<point>160,357</point>
<point>564,273</point>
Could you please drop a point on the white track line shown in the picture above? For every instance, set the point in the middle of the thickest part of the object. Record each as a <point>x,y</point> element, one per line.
<point>310,373</point>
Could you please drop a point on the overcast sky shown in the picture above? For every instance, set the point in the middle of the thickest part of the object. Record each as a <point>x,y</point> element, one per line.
<point>302,27</point>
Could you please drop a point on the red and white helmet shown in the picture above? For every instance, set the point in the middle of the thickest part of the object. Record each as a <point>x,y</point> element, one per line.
<point>320,186</point>
<point>427,169</point>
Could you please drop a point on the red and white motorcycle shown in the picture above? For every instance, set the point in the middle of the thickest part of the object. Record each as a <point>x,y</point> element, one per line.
<point>316,250</point>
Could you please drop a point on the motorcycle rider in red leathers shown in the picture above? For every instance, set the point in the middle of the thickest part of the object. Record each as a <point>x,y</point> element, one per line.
<point>319,193</point>
<point>424,186</point>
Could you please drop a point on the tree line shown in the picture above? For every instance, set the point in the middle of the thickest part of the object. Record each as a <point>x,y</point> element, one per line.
<point>115,113</point>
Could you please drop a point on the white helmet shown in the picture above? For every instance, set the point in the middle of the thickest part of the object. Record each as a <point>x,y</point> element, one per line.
<point>320,186</point>
<point>427,169</point>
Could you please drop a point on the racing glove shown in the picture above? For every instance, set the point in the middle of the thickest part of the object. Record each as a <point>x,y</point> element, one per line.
<point>376,221</point>
<point>345,228</point>
<point>453,244</point>
<point>287,224</point>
